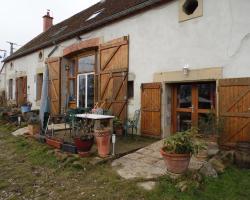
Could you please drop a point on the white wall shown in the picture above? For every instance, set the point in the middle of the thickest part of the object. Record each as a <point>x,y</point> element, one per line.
<point>159,43</point>
<point>2,78</point>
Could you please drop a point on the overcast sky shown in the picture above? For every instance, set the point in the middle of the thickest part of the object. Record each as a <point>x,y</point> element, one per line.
<point>21,20</point>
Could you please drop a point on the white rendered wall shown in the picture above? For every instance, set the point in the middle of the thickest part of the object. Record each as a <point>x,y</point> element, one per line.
<point>159,43</point>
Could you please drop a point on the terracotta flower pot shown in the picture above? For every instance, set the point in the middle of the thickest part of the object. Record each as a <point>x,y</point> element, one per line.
<point>34,129</point>
<point>84,145</point>
<point>56,143</point>
<point>176,163</point>
<point>103,142</point>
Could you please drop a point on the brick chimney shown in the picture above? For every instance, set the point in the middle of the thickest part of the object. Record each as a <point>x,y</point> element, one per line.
<point>47,21</point>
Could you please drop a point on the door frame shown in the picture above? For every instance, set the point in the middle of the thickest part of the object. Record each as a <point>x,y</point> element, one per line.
<point>86,88</point>
<point>194,110</point>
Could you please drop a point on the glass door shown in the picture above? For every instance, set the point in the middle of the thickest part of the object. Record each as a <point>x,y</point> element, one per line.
<point>85,90</point>
<point>192,103</point>
<point>184,107</point>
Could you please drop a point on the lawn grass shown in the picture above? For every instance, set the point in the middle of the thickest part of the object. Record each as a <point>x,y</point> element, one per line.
<point>29,170</point>
<point>234,184</point>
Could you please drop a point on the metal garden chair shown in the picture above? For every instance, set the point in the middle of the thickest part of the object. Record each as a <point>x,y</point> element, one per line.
<point>132,123</point>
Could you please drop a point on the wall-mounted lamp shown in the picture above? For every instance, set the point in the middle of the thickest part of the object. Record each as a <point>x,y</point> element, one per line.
<point>66,67</point>
<point>186,70</point>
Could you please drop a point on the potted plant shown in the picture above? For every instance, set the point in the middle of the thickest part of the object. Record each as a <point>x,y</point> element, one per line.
<point>85,140</point>
<point>178,149</point>
<point>103,136</point>
<point>118,128</point>
<point>210,127</point>
<point>34,125</point>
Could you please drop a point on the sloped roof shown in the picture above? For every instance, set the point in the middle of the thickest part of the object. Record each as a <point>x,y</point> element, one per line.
<point>106,12</point>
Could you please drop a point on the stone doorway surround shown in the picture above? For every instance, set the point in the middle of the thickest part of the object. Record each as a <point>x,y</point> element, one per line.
<point>193,75</point>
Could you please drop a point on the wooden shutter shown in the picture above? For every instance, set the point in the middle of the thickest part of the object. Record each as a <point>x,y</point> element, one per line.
<point>234,110</point>
<point>151,109</point>
<point>54,65</point>
<point>16,92</point>
<point>113,76</point>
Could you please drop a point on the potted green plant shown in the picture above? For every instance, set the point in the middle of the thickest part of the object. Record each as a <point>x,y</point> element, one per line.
<point>85,140</point>
<point>34,125</point>
<point>117,124</point>
<point>178,149</point>
<point>210,127</point>
<point>103,136</point>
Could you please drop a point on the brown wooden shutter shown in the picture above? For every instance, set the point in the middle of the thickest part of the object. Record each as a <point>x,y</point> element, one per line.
<point>234,110</point>
<point>151,109</point>
<point>16,92</point>
<point>113,76</point>
<point>54,66</point>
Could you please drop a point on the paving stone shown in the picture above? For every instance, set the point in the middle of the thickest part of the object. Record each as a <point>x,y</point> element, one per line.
<point>145,151</point>
<point>20,131</point>
<point>149,160</point>
<point>213,149</point>
<point>149,185</point>
<point>135,156</point>
<point>217,165</point>
<point>141,164</point>
<point>208,170</point>
<point>23,131</point>
<point>195,164</point>
<point>160,164</point>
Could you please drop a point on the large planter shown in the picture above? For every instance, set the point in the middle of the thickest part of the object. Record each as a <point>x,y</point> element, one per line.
<point>56,143</point>
<point>103,142</point>
<point>176,163</point>
<point>84,144</point>
<point>34,129</point>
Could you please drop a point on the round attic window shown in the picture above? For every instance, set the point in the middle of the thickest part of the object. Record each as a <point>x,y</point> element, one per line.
<point>40,55</point>
<point>190,6</point>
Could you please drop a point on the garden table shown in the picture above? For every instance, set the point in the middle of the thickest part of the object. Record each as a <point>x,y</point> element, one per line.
<point>97,119</point>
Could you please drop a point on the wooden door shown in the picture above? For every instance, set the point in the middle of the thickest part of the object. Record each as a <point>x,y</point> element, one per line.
<point>234,109</point>
<point>21,90</point>
<point>54,65</point>
<point>151,109</point>
<point>192,103</point>
<point>113,76</point>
